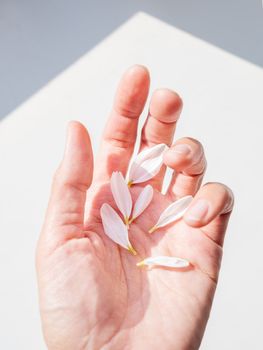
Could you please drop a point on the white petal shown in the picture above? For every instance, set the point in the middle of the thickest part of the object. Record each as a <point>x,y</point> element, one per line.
<point>114,227</point>
<point>151,152</point>
<point>121,194</point>
<point>146,164</point>
<point>173,212</point>
<point>167,261</point>
<point>142,201</point>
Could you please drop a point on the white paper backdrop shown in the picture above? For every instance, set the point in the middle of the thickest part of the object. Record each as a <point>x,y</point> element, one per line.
<point>222,107</point>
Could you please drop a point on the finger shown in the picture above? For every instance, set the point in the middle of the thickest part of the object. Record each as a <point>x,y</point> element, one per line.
<point>186,157</point>
<point>121,129</point>
<point>65,214</point>
<point>210,210</point>
<point>164,111</point>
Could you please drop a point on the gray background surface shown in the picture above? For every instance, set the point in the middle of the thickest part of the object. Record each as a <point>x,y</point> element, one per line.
<point>39,39</point>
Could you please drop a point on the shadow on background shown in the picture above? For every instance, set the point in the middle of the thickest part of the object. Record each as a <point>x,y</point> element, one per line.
<point>39,39</point>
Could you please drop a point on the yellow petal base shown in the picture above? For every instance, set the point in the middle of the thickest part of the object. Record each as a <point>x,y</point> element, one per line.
<point>127,221</point>
<point>154,228</point>
<point>141,263</point>
<point>129,183</point>
<point>132,250</point>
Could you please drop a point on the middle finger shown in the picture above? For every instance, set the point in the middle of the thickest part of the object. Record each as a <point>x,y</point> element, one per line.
<point>164,111</point>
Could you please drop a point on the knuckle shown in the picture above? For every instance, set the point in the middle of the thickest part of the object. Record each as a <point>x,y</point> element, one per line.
<point>122,142</point>
<point>126,112</point>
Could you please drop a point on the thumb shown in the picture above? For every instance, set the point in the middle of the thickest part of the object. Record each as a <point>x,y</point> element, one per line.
<point>65,214</point>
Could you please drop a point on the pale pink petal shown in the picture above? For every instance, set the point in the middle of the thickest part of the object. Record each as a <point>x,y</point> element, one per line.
<point>166,261</point>
<point>146,164</point>
<point>142,201</point>
<point>114,227</point>
<point>173,212</point>
<point>121,194</point>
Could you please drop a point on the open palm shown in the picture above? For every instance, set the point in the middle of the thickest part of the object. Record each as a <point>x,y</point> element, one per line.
<point>92,294</point>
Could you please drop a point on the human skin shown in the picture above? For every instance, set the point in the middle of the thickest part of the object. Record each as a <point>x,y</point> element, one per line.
<point>91,293</point>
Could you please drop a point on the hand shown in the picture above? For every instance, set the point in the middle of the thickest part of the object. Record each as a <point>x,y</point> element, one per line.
<point>92,295</point>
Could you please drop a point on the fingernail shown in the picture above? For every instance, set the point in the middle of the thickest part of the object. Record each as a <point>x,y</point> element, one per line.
<point>182,149</point>
<point>198,211</point>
